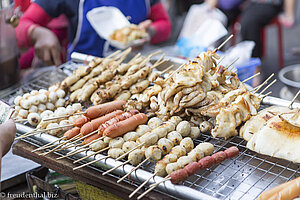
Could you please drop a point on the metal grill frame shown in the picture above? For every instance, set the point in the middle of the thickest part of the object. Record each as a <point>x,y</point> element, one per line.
<point>242,177</point>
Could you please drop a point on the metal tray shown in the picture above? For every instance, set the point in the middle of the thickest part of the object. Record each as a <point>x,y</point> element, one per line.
<point>243,177</point>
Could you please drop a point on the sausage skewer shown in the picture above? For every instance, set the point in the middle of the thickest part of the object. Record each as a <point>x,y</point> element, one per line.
<point>208,161</point>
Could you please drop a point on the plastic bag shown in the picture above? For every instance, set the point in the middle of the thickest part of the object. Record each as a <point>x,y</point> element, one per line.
<point>202,27</point>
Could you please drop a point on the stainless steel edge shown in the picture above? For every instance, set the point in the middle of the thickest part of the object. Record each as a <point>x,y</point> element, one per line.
<point>273,101</point>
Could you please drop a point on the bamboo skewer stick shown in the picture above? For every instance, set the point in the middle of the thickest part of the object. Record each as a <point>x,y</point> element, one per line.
<point>81,138</point>
<point>89,163</point>
<point>167,69</point>
<point>135,168</point>
<point>219,61</point>
<point>267,86</point>
<point>65,156</point>
<point>57,148</point>
<point>19,120</point>
<point>76,145</point>
<point>65,116</point>
<point>134,58</point>
<point>266,94</point>
<point>128,152</point>
<point>49,144</point>
<point>251,77</point>
<point>295,97</point>
<point>153,186</point>
<point>112,169</point>
<point>232,63</point>
<point>221,45</point>
<point>28,133</point>
<point>177,70</point>
<point>97,152</point>
<point>264,83</point>
<point>142,185</point>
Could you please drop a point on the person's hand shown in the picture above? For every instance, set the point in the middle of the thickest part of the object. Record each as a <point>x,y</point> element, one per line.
<point>286,20</point>
<point>212,3</point>
<point>46,46</point>
<point>7,135</point>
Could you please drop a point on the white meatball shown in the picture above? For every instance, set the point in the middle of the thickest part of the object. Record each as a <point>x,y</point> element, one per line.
<point>25,103</point>
<point>136,156</point>
<point>53,97</point>
<point>77,106</point>
<point>116,142</point>
<point>160,168</point>
<point>60,103</point>
<point>184,128</point>
<point>17,100</point>
<point>60,93</point>
<point>34,100</point>
<point>107,140</point>
<point>160,132</point>
<point>46,114</point>
<point>55,130</point>
<point>178,151</point>
<point>170,158</point>
<point>34,92</point>
<point>206,147</point>
<point>42,98</point>
<point>64,123</point>
<point>60,111</point>
<point>184,161</point>
<point>115,152</point>
<point>41,108</point>
<point>148,139</point>
<point>172,167</point>
<point>187,143</point>
<point>127,146</point>
<point>43,91</point>
<point>165,145</point>
<point>23,113</point>
<point>175,120</point>
<point>131,136</point>
<point>50,106</point>
<point>142,129</point>
<point>170,126</point>
<point>72,119</point>
<point>26,95</point>
<point>205,126</point>
<point>98,145</point>
<point>70,110</point>
<point>34,119</point>
<point>18,108</point>
<point>195,132</point>
<point>53,88</point>
<point>154,122</point>
<point>33,109</point>
<point>153,153</point>
<point>175,137</point>
<point>196,154</point>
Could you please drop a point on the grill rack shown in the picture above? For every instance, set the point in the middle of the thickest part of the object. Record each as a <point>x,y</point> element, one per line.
<point>242,177</point>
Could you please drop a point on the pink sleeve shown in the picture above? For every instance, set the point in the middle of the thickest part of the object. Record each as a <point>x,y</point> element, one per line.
<point>161,23</point>
<point>34,15</point>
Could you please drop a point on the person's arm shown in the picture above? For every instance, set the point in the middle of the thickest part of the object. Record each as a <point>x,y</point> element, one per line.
<point>31,31</point>
<point>7,135</point>
<point>161,24</point>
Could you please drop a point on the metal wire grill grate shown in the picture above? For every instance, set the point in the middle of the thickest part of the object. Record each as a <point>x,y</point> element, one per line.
<point>243,177</point>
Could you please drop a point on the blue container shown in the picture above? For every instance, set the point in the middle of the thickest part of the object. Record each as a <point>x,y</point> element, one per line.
<point>248,69</point>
